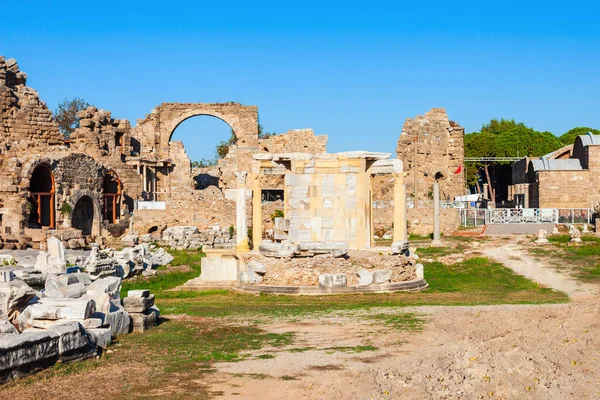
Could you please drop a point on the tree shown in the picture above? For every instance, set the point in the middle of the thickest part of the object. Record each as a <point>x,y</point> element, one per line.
<point>503,138</point>
<point>568,137</point>
<point>66,115</point>
<point>223,147</point>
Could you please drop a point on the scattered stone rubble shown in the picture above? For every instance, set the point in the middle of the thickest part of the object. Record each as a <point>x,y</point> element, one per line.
<point>78,309</point>
<point>354,269</point>
<point>73,318</point>
<point>190,238</point>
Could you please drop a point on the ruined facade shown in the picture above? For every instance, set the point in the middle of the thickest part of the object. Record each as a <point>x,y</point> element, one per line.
<point>431,149</point>
<point>47,183</point>
<point>110,176</point>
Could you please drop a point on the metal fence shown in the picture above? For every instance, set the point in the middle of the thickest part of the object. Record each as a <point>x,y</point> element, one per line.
<point>478,216</point>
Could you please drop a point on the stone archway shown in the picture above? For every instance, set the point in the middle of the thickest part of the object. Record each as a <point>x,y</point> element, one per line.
<point>83,215</point>
<point>155,131</point>
<point>86,212</point>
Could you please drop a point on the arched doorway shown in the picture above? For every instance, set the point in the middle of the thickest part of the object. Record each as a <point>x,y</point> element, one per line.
<point>41,199</point>
<point>113,188</point>
<point>83,215</point>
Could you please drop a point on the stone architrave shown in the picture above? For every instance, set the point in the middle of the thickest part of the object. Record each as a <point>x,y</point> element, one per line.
<point>241,224</point>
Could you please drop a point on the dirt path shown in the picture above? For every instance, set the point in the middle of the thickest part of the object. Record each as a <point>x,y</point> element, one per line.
<point>513,257</point>
<point>506,352</point>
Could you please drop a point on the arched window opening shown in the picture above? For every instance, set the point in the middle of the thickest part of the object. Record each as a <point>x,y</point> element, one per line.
<point>41,199</point>
<point>83,215</point>
<point>112,197</point>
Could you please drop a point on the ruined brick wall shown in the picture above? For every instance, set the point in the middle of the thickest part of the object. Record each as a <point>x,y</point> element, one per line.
<point>25,121</point>
<point>566,189</point>
<point>432,145</point>
<point>294,141</point>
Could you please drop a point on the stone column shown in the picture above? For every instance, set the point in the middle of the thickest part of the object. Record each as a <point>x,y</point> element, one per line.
<point>241,225</point>
<point>400,234</point>
<point>256,212</point>
<point>436,216</point>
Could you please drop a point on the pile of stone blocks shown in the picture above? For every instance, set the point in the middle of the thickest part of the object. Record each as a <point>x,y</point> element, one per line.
<point>140,306</point>
<point>303,249</point>
<point>191,238</point>
<point>74,317</point>
<point>255,271</point>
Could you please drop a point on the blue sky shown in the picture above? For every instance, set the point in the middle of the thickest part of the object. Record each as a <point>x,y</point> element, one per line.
<point>353,71</point>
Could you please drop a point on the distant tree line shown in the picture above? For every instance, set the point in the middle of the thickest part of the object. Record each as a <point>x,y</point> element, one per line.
<point>508,138</point>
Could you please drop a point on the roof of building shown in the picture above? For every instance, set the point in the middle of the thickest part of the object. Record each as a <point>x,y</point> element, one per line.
<point>589,139</point>
<point>546,164</point>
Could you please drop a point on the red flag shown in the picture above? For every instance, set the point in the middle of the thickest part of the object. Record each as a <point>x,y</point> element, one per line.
<point>459,170</point>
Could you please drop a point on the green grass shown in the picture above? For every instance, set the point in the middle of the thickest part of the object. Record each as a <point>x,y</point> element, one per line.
<point>582,260</point>
<point>166,279</point>
<point>186,344</point>
<point>350,349</point>
<point>439,251</point>
<point>401,321</point>
<point>474,281</point>
<point>415,237</point>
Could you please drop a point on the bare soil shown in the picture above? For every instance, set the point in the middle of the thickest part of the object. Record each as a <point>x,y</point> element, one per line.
<point>506,352</point>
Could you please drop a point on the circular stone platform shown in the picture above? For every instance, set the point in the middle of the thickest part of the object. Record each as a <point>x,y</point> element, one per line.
<point>407,286</point>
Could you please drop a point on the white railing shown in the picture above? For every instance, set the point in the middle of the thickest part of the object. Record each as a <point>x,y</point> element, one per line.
<point>478,217</point>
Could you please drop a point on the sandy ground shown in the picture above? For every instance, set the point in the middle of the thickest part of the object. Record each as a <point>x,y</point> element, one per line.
<point>510,352</point>
<point>506,352</point>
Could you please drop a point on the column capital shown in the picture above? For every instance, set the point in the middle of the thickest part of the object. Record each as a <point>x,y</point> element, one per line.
<point>240,177</point>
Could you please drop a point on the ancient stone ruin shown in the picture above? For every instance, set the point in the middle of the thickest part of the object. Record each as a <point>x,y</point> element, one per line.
<point>278,214</point>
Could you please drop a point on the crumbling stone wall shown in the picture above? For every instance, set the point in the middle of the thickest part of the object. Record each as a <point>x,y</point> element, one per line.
<point>25,121</point>
<point>100,135</point>
<point>294,141</point>
<point>109,141</point>
<point>431,147</point>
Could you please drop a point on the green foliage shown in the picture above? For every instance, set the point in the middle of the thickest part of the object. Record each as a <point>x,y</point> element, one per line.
<point>569,136</point>
<point>223,147</point>
<point>66,115</point>
<point>65,208</point>
<point>203,163</point>
<point>231,231</point>
<point>277,214</point>
<point>504,138</point>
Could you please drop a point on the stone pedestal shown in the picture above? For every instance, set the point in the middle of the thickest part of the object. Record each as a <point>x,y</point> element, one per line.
<point>219,265</point>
